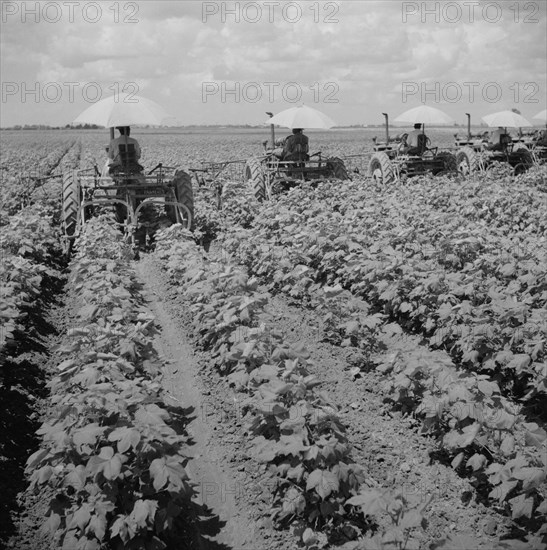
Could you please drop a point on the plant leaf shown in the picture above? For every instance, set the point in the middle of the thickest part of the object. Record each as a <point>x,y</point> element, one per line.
<point>323,482</point>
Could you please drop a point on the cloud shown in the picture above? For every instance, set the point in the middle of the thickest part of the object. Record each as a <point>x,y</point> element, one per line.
<point>366,50</point>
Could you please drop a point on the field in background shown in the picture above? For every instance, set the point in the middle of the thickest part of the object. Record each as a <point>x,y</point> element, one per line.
<point>195,145</point>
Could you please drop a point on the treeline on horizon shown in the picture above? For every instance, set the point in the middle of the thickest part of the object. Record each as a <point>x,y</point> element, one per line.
<point>97,127</point>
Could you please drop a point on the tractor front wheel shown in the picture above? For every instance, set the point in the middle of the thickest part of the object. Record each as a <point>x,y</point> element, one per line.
<point>254,174</point>
<point>380,168</point>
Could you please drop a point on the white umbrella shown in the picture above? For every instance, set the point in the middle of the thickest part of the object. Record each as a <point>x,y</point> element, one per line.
<point>302,117</point>
<point>542,115</point>
<point>506,119</point>
<point>123,110</point>
<point>424,115</point>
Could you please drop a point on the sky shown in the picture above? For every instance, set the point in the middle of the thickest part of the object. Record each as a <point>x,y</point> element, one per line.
<point>231,62</point>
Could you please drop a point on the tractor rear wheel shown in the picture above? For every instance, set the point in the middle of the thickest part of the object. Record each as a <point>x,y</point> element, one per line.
<point>337,168</point>
<point>184,194</point>
<point>71,202</point>
<point>380,168</point>
<point>71,206</point>
<point>525,160</point>
<point>254,176</point>
<point>467,161</point>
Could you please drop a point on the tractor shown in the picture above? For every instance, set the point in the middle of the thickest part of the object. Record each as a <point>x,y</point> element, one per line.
<point>270,174</point>
<point>389,163</point>
<point>473,154</point>
<point>129,190</point>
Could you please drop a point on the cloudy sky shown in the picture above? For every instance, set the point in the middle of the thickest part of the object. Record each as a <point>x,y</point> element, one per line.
<point>230,62</point>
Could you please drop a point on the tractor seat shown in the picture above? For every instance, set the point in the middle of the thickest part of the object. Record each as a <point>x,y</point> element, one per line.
<point>296,148</point>
<point>297,156</point>
<point>504,143</point>
<point>127,160</point>
<point>422,147</point>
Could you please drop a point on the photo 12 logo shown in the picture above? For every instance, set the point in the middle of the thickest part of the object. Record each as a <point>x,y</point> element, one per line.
<point>53,12</point>
<point>270,12</point>
<point>253,92</point>
<point>55,92</point>
<point>454,92</point>
<point>469,11</point>
<point>215,491</point>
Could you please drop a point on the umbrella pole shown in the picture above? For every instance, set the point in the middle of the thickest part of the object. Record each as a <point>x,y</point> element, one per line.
<point>272,132</point>
<point>110,153</point>
<point>126,168</point>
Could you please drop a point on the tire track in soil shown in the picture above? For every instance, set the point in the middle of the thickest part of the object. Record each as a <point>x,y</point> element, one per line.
<point>209,465</point>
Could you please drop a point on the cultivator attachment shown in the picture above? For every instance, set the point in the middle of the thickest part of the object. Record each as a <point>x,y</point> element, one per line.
<point>472,158</point>
<point>269,175</point>
<point>476,153</point>
<point>85,192</point>
<point>389,165</point>
<point>211,173</point>
<point>356,164</point>
<point>32,181</point>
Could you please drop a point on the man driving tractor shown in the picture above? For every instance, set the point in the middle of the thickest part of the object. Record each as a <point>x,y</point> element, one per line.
<point>124,152</point>
<point>412,145</point>
<point>498,140</point>
<point>293,147</point>
<point>296,146</point>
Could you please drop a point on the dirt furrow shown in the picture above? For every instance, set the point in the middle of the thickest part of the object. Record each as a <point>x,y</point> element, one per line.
<point>219,484</point>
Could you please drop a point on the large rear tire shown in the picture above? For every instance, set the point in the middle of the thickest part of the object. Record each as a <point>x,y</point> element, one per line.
<point>525,159</point>
<point>71,206</point>
<point>380,168</point>
<point>71,203</point>
<point>467,161</point>
<point>184,194</point>
<point>254,175</point>
<point>338,169</point>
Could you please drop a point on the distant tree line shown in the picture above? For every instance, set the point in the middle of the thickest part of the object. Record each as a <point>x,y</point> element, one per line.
<point>48,127</point>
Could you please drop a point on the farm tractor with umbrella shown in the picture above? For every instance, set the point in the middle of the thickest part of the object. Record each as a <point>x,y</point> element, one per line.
<point>271,174</point>
<point>390,162</point>
<point>477,154</point>
<point>127,190</point>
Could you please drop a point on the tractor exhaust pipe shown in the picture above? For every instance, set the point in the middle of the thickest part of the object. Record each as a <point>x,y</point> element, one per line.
<point>387,127</point>
<point>272,131</point>
<point>468,126</point>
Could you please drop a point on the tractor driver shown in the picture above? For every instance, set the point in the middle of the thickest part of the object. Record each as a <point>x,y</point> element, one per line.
<point>411,146</point>
<point>296,146</point>
<point>498,140</point>
<point>133,150</point>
